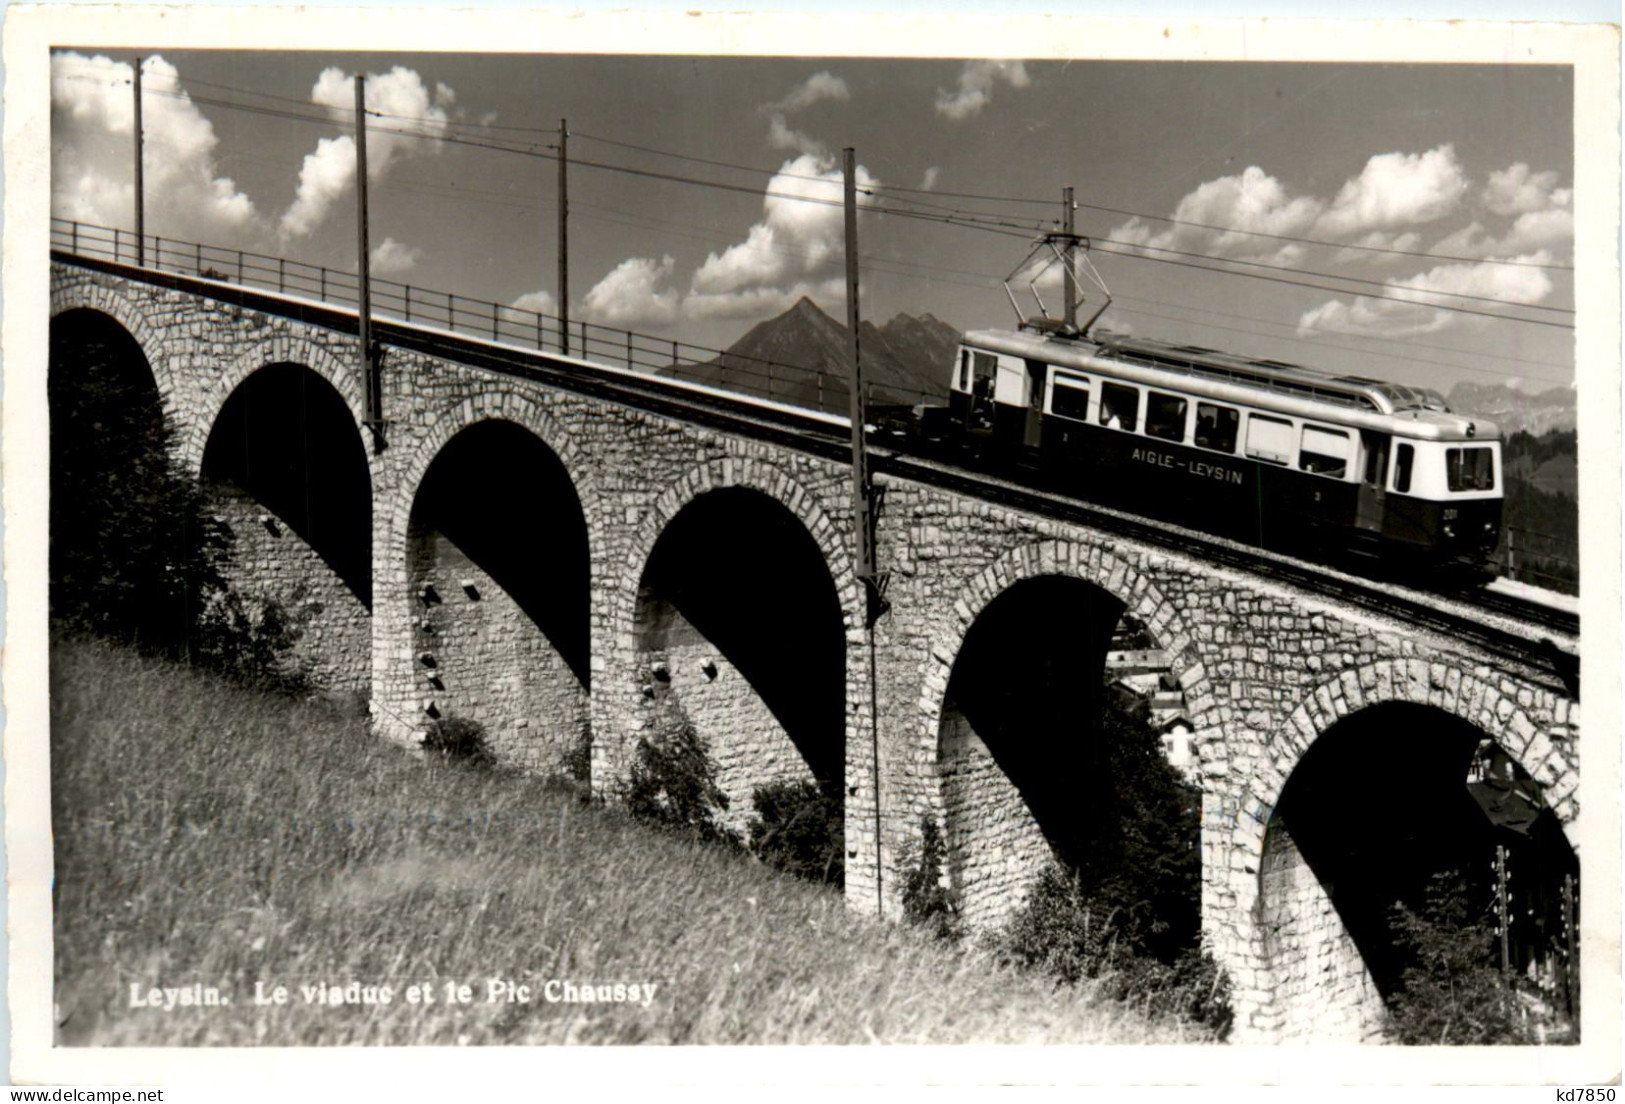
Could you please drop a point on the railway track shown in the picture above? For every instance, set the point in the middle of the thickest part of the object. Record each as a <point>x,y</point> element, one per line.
<point>1537,636</point>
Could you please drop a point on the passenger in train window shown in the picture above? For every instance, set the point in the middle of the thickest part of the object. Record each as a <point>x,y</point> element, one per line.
<point>1207,423</point>
<point>1216,427</point>
<point>1119,407</point>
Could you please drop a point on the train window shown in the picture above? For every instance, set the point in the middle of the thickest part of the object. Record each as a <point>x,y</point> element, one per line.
<point>1069,401</point>
<point>1165,416</point>
<point>964,369</point>
<point>1325,451</point>
<point>1119,406</point>
<point>1269,439</point>
<point>1404,458</point>
<point>1216,427</point>
<point>985,366</point>
<point>1470,469</point>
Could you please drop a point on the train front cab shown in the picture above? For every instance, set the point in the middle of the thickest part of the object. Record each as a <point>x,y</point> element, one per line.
<point>996,403</point>
<point>1440,501</point>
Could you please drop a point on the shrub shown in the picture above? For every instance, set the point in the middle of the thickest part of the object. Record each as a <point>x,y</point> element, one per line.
<point>1069,931</point>
<point>1141,855</point>
<point>459,740</point>
<point>673,783</point>
<point>925,900</point>
<point>1450,990</point>
<point>1064,931</point>
<point>250,641</point>
<point>801,830</point>
<point>576,762</point>
<point>1193,988</point>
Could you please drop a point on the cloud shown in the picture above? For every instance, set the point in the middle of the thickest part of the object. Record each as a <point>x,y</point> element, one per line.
<point>794,238</point>
<point>781,135</point>
<point>820,86</point>
<point>976,82</point>
<point>1532,230</point>
<point>764,302</point>
<point>1252,200</point>
<point>1545,216</point>
<point>409,122</point>
<point>92,170</point>
<point>631,296</point>
<point>1408,241</point>
<point>1409,312</point>
<point>929,180</point>
<point>1515,190</point>
<point>815,89</point>
<point>1396,190</point>
<point>323,177</point>
<point>393,258</point>
<point>538,302</point>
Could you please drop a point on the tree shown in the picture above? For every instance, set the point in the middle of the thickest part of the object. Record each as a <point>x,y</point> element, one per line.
<point>135,553</point>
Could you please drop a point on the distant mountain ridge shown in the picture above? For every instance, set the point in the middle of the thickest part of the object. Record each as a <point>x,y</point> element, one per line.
<point>1512,410</point>
<point>802,357</point>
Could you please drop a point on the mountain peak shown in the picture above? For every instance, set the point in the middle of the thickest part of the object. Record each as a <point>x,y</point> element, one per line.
<point>805,305</point>
<point>807,353</point>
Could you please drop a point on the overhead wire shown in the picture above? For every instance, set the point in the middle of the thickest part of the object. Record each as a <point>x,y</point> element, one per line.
<point>986,221</point>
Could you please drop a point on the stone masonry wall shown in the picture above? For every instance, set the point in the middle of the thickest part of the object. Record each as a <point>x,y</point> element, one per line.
<point>1264,668</point>
<point>747,744</point>
<point>335,646</point>
<point>1322,990</point>
<point>996,850</point>
<point>492,664</point>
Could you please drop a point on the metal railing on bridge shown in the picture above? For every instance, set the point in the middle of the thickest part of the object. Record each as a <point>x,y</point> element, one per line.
<point>797,385</point>
<point>1543,560</point>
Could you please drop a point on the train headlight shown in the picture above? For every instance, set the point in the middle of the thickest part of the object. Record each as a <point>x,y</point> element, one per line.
<point>1450,531</point>
<point>1472,430</point>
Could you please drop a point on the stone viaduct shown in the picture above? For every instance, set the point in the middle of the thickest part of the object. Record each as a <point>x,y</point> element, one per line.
<point>573,572</point>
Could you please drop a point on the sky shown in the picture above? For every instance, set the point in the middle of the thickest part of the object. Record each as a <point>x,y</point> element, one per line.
<point>1399,181</point>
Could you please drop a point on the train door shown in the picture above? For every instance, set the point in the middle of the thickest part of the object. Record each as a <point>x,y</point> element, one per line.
<point>1037,380</point>
<point>984,367</point>
<point>1372,499</point>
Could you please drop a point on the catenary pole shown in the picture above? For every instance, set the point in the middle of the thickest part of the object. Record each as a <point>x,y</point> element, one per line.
<point>1069,281</point>
<point>374,397</point>
<point>140,182</point>
<point>863,517</point>
<point>564,236</point>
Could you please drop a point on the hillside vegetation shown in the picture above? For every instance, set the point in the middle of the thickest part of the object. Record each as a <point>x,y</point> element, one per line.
<point>1542,513</point>
<point>213,835</point>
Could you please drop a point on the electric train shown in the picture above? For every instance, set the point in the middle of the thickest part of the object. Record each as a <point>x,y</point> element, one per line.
<point>1262,451</point>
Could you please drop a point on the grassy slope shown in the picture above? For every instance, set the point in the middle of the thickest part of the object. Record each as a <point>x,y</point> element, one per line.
<point>208,834</point>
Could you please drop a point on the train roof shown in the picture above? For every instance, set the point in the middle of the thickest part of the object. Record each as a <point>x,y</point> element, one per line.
<point>1292,388</point>
<point>1276,375</point>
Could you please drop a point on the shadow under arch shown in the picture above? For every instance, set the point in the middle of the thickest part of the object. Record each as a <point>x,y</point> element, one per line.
<point>121,513</point>
<point>1380,803</point>
<point>287,439</point>
<point>499,579</point>
<point>738,608</point>
<point>1024,701</point>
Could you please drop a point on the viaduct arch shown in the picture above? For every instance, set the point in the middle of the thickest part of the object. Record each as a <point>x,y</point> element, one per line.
<point>995,841</point>
<point>666,672</point>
